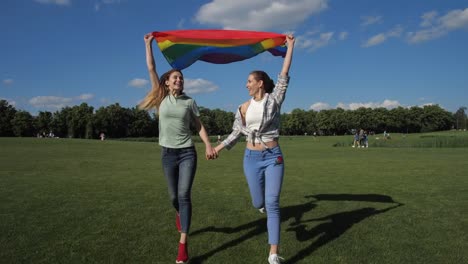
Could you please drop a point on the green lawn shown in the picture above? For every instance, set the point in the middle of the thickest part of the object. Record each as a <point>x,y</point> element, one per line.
<point>89,201</point>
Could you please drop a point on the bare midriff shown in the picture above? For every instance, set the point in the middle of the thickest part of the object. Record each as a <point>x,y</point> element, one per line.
<point>260,146</point>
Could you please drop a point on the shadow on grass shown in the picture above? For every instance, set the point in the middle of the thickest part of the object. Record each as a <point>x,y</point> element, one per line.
<point>319,235</point>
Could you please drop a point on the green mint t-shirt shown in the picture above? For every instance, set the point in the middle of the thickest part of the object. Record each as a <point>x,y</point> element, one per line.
<point>175,116</point>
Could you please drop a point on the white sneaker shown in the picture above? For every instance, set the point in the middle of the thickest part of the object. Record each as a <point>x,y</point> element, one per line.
<point>275,259</point>
<point>262,210</point>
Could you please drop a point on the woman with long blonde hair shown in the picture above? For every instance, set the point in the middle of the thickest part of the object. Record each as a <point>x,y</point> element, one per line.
<point>177,112</point>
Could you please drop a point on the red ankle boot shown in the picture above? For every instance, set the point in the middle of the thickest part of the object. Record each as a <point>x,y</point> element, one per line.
<point>182,256</point>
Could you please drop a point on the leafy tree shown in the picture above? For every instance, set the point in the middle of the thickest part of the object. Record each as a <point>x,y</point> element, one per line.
<point>380,120</point>
<point>61,121</point>
<point>118,122</point>
<point>205,118</point>
<point>310,122</point>
<point>7,113</point>
<point>460,118</point>
<point>284,129</point>
<point>398,120</point>
<point>140,123</point>
<point>216,122</point>
<point>324,122</point>
<point>339,121</point>
<point>296,123</point>
<point>222,122</point>
<point>435,118</point>
<point>113,120</point>
<point>43,122</point>
<point>22,124</point>
<point>414,116</point>
<point>363,118</point>
<point>154,126</point>
<point>80,121</point>
<point>101,121</point>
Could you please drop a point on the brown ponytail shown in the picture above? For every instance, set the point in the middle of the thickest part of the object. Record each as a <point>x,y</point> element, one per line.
<point>268,83</point>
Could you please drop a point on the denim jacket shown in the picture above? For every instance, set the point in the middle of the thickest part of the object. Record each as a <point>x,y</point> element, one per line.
<point>270,121</point>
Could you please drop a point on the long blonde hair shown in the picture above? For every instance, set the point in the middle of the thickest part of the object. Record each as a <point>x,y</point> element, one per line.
<point>157,94</point>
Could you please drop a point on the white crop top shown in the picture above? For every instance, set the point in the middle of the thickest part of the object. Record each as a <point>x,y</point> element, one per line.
<point>253,119</point>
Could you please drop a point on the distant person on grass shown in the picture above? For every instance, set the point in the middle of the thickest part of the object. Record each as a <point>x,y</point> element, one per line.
<point>177,112</point>
<point>356,140</point>
<point>361,137</point>
<point>259,120</point>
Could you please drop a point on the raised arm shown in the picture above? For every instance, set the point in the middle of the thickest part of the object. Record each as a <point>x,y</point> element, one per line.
<point>288,58</point>
<point>150,61</point>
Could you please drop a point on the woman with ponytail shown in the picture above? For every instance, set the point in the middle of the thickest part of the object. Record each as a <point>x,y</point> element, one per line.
<point>259,120</point>
<point>177,112</point>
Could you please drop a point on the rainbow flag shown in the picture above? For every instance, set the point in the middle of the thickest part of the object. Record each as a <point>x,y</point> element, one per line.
<point>182,48</point>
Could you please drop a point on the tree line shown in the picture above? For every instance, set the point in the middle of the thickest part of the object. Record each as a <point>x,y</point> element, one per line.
<point>115,121</point>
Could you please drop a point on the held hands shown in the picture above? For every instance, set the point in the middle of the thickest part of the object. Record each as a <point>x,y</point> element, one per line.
<point>214,151</point>
<point>211,153</point>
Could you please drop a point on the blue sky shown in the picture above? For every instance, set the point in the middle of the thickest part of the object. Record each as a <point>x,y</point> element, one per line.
<point>55,53</point>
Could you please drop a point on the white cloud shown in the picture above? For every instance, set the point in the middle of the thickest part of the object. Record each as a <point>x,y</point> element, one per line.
<point>259,14</point>
<point>389,104</point>
<point>455,19</point>
<point>425,35</point>
<point>436,27</point>
<point>99,4</point>
<point>375,40</point>
<point>138,82</point>
<point>343,35</point>
<point>319,106</point>
<point>342,105</point>
<point>10,102</point>
<point>382,37</point>
<point>56,102</point>
<point>55,2</point>
<point>311,42</point>
<point>195,86</point>
<point>428,18</point>
<point>8,81</point>
<point>105,101</point>
<point>86,96</point>
<point>50,102</point>
<point>395,32</point>
<point>427,104</point>
<point>370,20</point>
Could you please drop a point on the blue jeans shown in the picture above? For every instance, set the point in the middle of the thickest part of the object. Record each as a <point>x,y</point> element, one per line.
<point>264,171</point>
<point>179,168</point>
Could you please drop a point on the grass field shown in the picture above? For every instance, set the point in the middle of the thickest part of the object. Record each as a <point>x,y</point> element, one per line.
<point>88,201</point>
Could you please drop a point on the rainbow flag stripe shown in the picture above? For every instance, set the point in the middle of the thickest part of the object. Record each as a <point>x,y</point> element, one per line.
<point>182,48</point>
